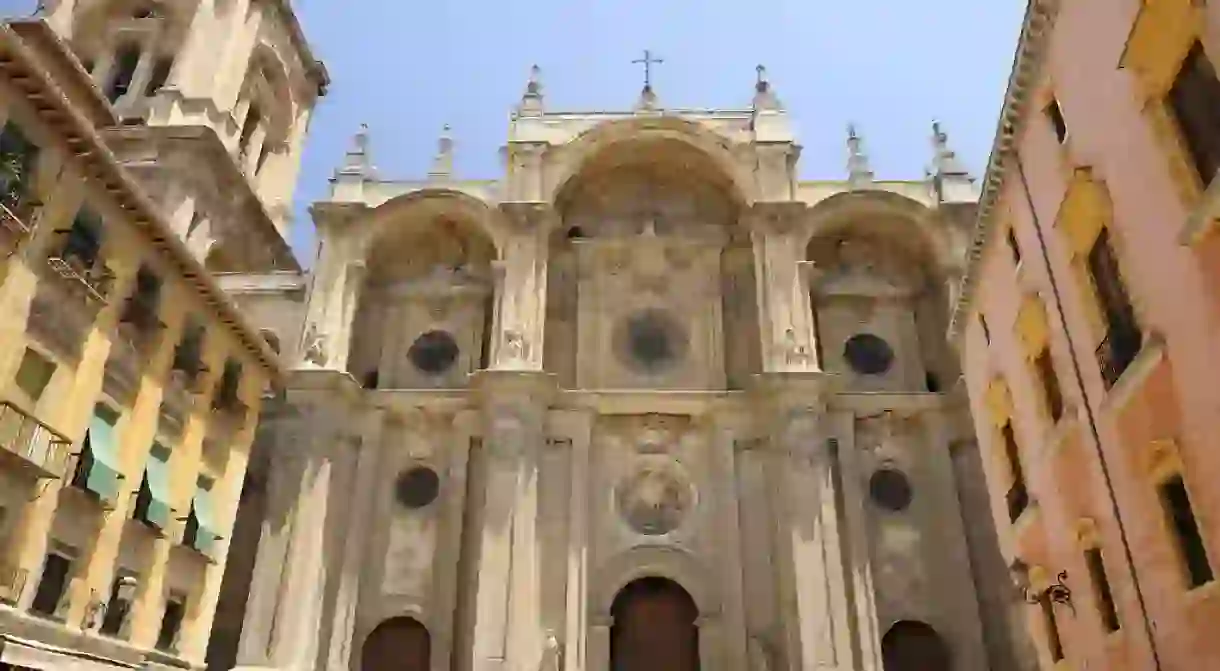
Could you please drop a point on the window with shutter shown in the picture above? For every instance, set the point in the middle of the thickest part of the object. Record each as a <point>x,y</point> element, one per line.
<point>1195,101</point>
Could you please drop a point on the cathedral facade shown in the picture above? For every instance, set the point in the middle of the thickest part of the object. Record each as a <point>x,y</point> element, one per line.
<point>646,401</point>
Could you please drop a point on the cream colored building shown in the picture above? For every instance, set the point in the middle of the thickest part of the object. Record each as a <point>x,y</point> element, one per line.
<point>646,401</point>
<point>135,163</point>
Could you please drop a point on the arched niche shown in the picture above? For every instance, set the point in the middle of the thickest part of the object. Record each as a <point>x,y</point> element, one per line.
<point>426,305</point>
<point>879,289</point>
<point>111,37</point>
<point>910,645</point>
<point>397,644</point>
<point>649,224</point>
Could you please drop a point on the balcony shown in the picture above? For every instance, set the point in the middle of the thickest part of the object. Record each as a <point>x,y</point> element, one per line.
<point>1017,500</point>
<point>12,583</point>
<point>77,261</point>
<point>1117,350</point>
<point>17,223</point>
<point>33,445</point>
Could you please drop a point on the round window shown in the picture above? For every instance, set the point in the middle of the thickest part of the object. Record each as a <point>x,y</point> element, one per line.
<point>417,487</point>
<point>433,352</point>
<point>890,489</point>
<point>650,340</point>
<point>868,354</point>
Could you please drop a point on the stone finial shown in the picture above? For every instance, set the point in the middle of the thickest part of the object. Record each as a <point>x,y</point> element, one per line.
<point>858,172</point>
<point>945,161</point>
<point>648,99</point>
<point>532,101</point>
<point>357,162</point>
<point>764,94</point>
<point>951,181</point>
<point>442,163</point>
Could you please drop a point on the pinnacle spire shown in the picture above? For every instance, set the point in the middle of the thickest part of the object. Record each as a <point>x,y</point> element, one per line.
<point>357,162</point>
<point>951,181</point>
<point>858,172</point>
<point>764,94</point>
<point>442,163</point>
<point>532,100</point>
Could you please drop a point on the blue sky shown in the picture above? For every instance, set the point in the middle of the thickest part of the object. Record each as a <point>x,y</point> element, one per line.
<point>891,66</point>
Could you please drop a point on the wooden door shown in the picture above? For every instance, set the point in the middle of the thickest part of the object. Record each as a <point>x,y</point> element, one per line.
<point>654,628</point>
<point>398,644</point>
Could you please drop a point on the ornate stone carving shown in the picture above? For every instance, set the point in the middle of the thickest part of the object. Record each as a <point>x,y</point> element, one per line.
<point>506,433</point>
<point>516,347</point>
<point>794,353</point>
<point>552,653</point>
<point>655,498</point>
<point>314,347</point>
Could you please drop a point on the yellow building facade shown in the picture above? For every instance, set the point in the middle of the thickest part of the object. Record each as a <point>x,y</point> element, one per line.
<point>129,391</point>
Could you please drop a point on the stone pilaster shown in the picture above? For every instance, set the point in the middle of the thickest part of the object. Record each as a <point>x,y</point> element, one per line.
<point>811,573</point>
<point>508,626</point>
<point>522,315</point>
<point>331,305</point>
<point>284,620</point>
<point>787,328</point>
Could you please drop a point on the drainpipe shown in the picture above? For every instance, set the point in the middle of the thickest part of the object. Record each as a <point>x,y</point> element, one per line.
<point>1088,409</point>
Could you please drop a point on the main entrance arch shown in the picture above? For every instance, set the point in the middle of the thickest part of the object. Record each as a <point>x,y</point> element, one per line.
<point>398,644</point>
<point>914,646</point>
<point>654,628</point>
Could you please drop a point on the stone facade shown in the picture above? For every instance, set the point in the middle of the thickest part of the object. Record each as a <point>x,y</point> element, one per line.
<point>647,360</point>
<point>1087,332</point>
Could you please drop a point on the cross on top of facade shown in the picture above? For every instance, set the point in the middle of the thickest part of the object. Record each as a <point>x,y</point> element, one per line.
<point>648,60</point>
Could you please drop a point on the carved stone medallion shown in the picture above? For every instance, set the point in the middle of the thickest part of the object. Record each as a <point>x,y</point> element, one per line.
<point>655,498</point>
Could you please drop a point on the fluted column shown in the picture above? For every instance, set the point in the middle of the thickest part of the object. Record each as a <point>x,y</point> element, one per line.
<point>508,627</point>
<point>522,315</point>
<point>808,543</point>
<point>787,329</point>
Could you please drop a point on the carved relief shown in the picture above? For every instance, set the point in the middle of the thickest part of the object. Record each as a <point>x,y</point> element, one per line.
<point>314,346</point>
<point>655,498</point>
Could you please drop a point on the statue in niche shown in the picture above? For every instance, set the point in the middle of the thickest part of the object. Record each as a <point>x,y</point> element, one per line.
<point>795,353</point>
<point>552,653</point>
<point>516,349</point>
<point>314,347</point>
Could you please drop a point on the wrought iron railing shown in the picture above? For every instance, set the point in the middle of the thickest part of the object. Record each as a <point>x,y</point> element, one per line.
<point>1116,351</point>
<point>79,263</point>
<point>36,443</point>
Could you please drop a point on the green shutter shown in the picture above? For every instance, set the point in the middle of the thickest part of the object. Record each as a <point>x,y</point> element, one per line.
<point>157,473</point>
<point>205,515</point>
<point>105,472</point>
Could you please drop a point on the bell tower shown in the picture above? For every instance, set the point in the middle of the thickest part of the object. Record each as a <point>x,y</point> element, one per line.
<point>232,82</point>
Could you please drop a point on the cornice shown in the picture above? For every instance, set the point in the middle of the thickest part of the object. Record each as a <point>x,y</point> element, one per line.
<point>1031,52</point>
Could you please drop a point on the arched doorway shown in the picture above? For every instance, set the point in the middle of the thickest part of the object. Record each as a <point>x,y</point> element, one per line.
<point>654,628</point>
<point>398,644</point>
<point>914,646</point>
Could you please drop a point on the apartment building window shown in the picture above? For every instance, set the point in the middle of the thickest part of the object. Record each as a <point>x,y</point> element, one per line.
<point>188,356</point>
<point>126,60</point>
<point>34,373</point>
<point>227,390</point>
<point>82,243</point>
<point>986,330</point>
<point>98,467</point>
<point>1122,339</point>
<point>1195,101</point>
<point>56,573</point>
<point>1054,643</point>
<point>171,623</point>
<point>118,606</point>
<point>160,75</point>
<point>253,118</point>
<point>144,304</point>
<point>18,159</point>
<point>1044,366</point>
<point>153,500</point>
<point>1017,497</point>
<point>1013,247</point>
<point>1185,529</point>
<point>1054,113</point>
<point>200,531</point>
<point>1101,589</point>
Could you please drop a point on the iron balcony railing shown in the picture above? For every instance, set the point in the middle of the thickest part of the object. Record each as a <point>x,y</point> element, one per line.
<point>36,444</point>
<point>79,262</point>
